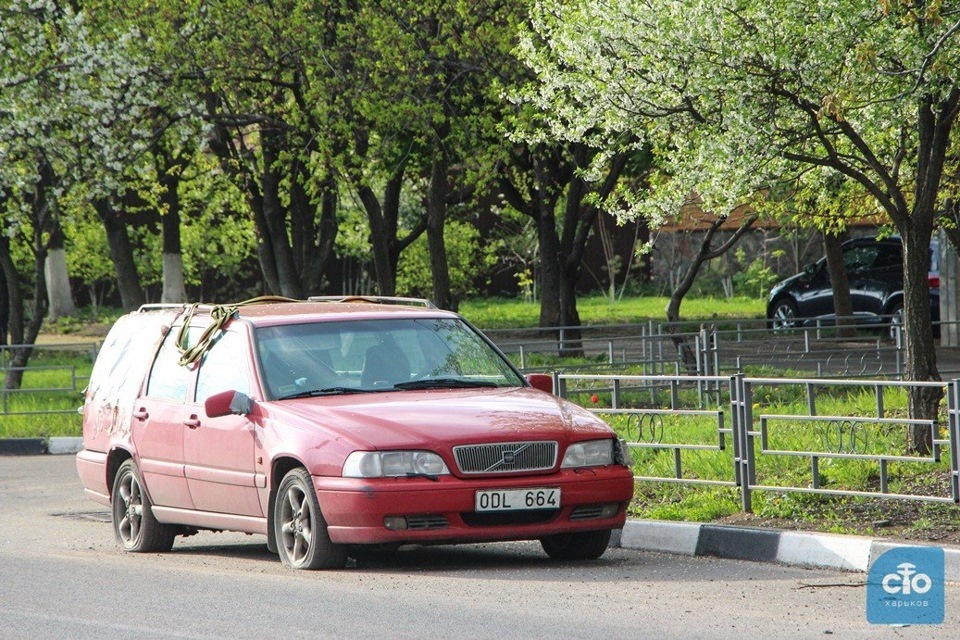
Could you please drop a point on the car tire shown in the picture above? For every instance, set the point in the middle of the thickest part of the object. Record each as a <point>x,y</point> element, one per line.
<point>134,524</point>
<point>586,545</point>
<point>783,315</point>
<point>300,529</point>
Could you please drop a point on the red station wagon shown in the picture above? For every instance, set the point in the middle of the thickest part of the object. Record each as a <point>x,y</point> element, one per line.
<point>327,424</point>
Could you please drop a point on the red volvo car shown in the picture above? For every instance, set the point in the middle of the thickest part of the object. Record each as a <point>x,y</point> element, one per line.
<point>327,424</point>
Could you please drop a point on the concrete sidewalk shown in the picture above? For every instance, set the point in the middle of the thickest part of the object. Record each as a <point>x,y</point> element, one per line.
<point>39,446</point>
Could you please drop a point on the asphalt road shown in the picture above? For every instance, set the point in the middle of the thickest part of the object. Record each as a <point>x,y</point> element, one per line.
<point>61,576</point>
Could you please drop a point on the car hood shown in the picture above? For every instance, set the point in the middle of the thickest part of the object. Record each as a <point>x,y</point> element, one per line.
<point>785,284</point>
<point>440,419</point>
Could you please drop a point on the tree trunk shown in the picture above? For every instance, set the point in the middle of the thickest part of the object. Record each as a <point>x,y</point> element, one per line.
<point>5,289</point>
<point>384,226</point>
<point>920,356</point>
<point>379,242</point>
<point>915,224</point>
<point>265,256</point>
<point>121,252</point>
<point>20,356</point>
<point>436,220</point>
<point>842,304</point>
<point>15,311</point>
<point>544,214</point>
<point>550,311</point>
<point>174,288</point>
<point>578,220</point>
<point>319,255</point>
<point>57,277</point>
<point>25,329</point>
<point>275,216</point>
<point>11,311</point>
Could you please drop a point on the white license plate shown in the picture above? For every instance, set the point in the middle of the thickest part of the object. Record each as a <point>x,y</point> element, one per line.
<point>517,499</point>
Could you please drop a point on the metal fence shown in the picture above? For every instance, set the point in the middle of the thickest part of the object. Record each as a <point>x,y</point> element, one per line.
<point>706,423</point>
<point>55,377</point>
<point>724,347</point>
<point>734,431</point>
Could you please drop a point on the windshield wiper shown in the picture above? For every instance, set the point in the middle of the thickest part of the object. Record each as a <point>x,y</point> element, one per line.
<point>445,383</point>
<point>328,391</point>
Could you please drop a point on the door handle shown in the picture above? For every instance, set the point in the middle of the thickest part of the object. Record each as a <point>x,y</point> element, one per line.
<point>141,414</point>
<point>193,422</point>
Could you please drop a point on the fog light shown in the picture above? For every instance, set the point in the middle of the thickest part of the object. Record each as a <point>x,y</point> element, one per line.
<point>609,510</point>
<point>395,523</point>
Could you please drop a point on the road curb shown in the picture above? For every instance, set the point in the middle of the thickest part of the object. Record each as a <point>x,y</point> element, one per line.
<point>39,446</point>
<point>797,548</point>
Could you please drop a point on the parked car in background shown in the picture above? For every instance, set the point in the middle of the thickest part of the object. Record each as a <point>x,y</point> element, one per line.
<point>875,274</point>
<point>328,425</point>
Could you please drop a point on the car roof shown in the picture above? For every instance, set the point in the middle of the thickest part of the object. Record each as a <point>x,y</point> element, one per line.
<point>267,311</point>
<point>325,311</point>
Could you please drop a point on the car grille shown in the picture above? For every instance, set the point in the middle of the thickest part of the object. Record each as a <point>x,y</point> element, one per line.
<point>420,523</point>
<point>587,512</point>
<point>506,457</point>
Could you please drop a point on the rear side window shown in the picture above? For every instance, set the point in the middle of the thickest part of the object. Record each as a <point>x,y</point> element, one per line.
<point>860,257</point>
<point>168,379</point>
<point>888,256</point>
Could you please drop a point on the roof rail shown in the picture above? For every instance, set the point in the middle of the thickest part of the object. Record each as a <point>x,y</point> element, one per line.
<point>420,302</point>
<point>159,306</point>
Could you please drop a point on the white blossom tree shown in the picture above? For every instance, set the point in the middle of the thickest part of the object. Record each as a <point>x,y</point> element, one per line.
<point>739,95</point>
<point>72,107</point>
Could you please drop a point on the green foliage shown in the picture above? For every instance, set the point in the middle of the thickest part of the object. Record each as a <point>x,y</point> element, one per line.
<point>755,277</point>
<point>88,257</point>
<point>745,102</point>
<point>526,282</point>
<point>466,257</point>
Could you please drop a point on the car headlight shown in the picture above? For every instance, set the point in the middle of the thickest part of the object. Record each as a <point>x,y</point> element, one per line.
<point>379,464</point>
<point>592,453</point>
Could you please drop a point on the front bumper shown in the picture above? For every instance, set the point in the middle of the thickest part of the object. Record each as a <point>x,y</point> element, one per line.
<point>443,511</point>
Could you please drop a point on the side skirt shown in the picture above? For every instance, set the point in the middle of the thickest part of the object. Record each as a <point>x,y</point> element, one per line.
<point>207,520</point>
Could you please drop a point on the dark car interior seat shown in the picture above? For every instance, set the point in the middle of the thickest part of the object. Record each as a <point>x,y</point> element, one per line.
<point>384,366</point>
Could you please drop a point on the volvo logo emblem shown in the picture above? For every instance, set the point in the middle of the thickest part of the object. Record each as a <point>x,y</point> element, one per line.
<point>507,458</point>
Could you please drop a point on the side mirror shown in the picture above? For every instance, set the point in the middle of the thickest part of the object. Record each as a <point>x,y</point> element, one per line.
<point>541,381</point>
<point>228,403</point>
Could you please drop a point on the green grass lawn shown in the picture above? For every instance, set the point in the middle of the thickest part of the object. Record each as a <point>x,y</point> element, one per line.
<point>509,313</point>
<point>46,405</point>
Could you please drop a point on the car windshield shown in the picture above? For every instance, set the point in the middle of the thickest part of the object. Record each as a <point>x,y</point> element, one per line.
<point>331,358</point>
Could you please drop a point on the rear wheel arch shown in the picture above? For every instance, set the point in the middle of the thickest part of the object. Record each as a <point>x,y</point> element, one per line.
<point>893,303</point>
<point>115,458</point>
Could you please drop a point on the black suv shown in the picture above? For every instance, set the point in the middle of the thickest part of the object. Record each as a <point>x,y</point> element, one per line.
<point>875,271</point>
